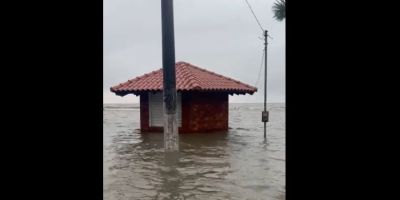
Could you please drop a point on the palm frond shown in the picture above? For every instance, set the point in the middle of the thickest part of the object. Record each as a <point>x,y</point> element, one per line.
<point>279,9</point>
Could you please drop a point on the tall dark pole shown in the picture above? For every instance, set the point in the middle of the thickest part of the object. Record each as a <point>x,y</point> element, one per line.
<point>265,112</point>
<point>171,140</point>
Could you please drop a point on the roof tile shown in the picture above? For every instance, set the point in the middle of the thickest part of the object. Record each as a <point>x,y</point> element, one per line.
<point>188,77</point>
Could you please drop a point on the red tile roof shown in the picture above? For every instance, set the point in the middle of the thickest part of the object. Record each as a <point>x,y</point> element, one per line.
<point>188,78</point>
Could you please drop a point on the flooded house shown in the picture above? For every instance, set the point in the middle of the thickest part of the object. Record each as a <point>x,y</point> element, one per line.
<point>202,98</point>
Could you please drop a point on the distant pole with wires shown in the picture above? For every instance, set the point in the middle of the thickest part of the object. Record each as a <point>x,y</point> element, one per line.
<point>265,113</point>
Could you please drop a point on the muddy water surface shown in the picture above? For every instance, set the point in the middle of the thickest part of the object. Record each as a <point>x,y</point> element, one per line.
<point>234,165</point>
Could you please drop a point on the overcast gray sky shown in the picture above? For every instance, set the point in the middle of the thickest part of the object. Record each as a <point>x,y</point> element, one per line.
<point>219,35</point>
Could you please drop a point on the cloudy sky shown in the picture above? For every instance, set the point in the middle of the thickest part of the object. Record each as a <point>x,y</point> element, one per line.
<point>219,35</point>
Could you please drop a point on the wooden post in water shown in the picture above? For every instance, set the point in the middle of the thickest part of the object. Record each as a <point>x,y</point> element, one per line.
<point>171,139</point>
<point>265,114</point>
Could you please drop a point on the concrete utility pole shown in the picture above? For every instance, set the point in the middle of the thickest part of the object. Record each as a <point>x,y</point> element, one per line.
<point>265,113</point>
<point>171,139</point>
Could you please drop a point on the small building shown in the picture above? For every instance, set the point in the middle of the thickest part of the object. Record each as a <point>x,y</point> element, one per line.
<point>202,98</point>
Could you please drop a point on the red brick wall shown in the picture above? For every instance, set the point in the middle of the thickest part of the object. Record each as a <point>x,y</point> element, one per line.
<point>204,112</point>
<point>201,112</point>
<point>144,112</point>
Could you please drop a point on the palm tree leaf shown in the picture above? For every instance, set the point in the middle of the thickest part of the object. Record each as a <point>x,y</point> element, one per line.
<point>279,9</point>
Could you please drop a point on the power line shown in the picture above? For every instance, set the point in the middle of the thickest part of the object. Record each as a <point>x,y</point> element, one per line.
<point>258,22</point>
<point>259,71</point>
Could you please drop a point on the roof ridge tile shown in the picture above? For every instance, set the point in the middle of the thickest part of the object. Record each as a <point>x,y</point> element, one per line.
<point>194,83</point>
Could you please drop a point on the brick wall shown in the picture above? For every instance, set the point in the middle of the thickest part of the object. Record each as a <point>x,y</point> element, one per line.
<point>144,112</point>
<point>201,112</point>
<point>204,112</point>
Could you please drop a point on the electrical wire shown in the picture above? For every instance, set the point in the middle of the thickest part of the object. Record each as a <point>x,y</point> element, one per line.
<point>258,22</point>
<point>259,71</point>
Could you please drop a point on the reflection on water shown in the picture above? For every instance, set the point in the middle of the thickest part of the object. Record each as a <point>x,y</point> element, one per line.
<point>234,165</point>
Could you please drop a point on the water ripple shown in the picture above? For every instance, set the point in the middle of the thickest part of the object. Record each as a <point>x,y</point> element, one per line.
<point>234,165</point>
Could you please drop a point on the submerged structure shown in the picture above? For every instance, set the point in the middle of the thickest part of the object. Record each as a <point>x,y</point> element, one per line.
<point>202,98</point>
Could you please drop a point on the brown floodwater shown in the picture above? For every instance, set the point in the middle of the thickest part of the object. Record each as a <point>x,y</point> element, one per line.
<point>238,164</point>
